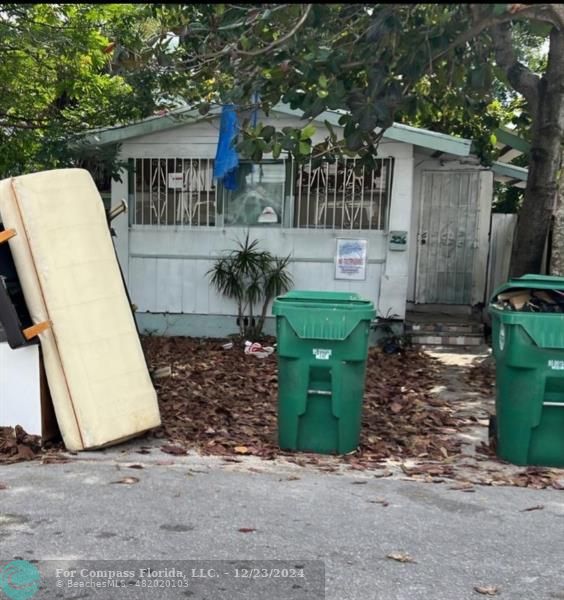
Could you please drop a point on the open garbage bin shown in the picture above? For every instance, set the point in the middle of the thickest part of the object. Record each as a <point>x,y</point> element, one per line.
<point>322,349</point>
<point>528,345</point>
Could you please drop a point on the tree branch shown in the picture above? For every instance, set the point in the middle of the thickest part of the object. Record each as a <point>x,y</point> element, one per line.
<point>548,13</point>
<point>521,78</point>
<point>555,52</point>
<point>283,39</point>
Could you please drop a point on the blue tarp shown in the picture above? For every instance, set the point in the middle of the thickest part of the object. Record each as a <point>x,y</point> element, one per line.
<point>226,158</point>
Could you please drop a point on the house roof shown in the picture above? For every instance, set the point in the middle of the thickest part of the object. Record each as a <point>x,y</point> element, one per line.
<point>510,145</point>
<point>438,142</point>
<point>510,174</point>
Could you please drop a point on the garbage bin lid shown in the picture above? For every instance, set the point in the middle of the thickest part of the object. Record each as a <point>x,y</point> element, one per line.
<point>323,315</point>
<point>530,282</point>
<point>323,297</point>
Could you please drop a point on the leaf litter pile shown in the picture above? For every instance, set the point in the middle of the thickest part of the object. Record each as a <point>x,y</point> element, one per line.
<point>224,402</point>
<point>221,401</point>
<point>16,446</point>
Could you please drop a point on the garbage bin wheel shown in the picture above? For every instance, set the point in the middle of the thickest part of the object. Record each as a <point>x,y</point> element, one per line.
<point>492,432</point>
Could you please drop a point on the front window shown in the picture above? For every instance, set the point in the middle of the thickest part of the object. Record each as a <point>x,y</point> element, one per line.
<point>274,193</point>
<point>259,198</point>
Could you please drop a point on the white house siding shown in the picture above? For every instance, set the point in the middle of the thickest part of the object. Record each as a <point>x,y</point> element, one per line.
<point>424,162</point>
<point>167,269</point>
<point>165,266</point>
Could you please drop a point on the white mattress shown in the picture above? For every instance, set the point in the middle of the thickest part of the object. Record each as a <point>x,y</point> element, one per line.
<point>97,376</point>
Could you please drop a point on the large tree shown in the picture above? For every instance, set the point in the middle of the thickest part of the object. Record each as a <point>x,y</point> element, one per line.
<point>62,74</point>
<point>375,61</point>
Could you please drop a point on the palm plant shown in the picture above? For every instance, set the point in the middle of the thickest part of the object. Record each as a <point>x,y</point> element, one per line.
<point>253,278</point>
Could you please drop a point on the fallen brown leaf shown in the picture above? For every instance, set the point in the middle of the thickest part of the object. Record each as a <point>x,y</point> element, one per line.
<point>176,450</point>
<point>3,486</point>
<point>162,372</point>
<point>384,473</point>
<point>241,450</point>
<point>487,590</point>
<point>135,467</point>
<point>247,529</point>
<point>25,452</point>
<point>379,501</point>
<point>51,459</point>
<point>403,557</point>
<point>537,507</point>
<point>463,487</point>
<point>127,480</point>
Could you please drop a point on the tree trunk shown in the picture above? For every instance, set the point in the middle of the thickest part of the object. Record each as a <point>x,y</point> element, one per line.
<point>557,254</point>
<point>544,163</point>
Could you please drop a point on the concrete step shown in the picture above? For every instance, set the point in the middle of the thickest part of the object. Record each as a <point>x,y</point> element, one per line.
<point>446,338</point>
<point>444,328</point>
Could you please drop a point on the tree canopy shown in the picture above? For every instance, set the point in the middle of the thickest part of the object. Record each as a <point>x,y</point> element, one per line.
<point>58,79</point>
<point>459,68</point>
<point>436,64</point>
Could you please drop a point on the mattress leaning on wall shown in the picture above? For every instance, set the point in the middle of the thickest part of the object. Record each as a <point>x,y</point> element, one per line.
<point>99,382</point>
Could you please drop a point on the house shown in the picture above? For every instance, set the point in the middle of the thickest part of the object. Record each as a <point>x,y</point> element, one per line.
<point>419,223</point>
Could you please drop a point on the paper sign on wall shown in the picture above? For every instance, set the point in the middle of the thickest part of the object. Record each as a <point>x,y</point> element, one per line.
<point>176,181</point>
<point>350,262</point>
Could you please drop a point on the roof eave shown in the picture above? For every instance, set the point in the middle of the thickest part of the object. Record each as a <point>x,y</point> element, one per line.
<point>397,132</point>
<point>147,126</point>
<point>511,171</point>
<point>442,142</point>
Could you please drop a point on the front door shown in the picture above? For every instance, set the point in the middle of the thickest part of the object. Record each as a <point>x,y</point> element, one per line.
<point>450,262</point>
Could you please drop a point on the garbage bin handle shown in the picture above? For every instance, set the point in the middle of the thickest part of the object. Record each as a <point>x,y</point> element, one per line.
<point>322,392</point>
<point>553,404</point>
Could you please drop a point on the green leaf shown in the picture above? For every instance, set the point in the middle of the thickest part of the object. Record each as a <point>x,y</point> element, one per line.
<point>276,150</point>
<point>478,77</point>
<point>267,132</point>
<point>499,9</point>
<point>354,141</point>
<point>308,131</point>
<point>304,148</point>
<point>323,81</point>
<point>538,28</point>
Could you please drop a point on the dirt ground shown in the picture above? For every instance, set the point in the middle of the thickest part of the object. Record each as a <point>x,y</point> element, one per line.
<point>425,413</point>
<point>425,416</point>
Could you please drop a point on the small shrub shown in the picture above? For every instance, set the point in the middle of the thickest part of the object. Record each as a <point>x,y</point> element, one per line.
<point>252,277</point>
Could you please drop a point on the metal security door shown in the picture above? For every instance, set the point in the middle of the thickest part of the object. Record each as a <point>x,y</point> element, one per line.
<point>448,237</point>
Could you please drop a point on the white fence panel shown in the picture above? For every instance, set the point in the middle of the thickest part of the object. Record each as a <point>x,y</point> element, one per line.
<point>501,243</point>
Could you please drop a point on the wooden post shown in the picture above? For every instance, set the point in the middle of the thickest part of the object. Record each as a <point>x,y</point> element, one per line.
<point>6,235</point>
<point>34,330</point>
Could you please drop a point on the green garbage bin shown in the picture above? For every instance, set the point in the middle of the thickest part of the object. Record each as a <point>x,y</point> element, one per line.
<point>322,349</point>
<point>529,351</point>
